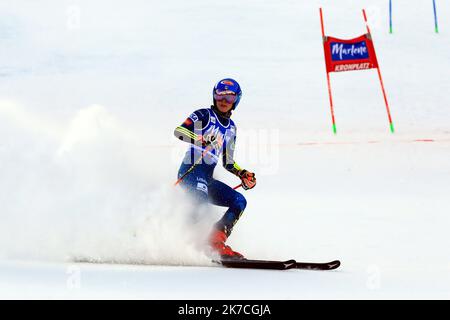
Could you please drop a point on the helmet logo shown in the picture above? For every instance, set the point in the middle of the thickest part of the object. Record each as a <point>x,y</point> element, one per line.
<point>227,82</point>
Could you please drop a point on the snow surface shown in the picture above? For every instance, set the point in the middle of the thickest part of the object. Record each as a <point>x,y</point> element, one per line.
<point>90,92</point>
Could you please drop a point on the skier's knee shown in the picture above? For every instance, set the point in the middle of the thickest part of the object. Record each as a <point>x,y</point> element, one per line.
<point>240,202</point>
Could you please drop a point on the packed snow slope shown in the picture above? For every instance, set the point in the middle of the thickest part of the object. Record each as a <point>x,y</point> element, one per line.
<point>90,92</point>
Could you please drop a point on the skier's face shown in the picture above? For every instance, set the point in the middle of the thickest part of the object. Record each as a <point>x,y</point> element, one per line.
<point>223,105</point>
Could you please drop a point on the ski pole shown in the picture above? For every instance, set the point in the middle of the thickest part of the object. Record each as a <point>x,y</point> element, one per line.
<point>193,166</point>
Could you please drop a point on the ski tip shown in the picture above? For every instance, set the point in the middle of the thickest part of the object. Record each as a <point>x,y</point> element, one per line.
<point>334,264</point>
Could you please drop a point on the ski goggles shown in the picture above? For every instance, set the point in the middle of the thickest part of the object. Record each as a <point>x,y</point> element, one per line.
<point>229,96</point>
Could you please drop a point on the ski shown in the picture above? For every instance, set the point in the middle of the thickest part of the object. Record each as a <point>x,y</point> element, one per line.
<point>258,264</point>
<point>278,265</point>
<point>318,266</point>
<point>240,263</point>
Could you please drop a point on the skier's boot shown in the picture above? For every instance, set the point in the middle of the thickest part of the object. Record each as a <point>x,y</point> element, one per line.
<point>217,242</point>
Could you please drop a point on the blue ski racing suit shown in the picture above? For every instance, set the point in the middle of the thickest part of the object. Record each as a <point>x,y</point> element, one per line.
<point>208,125</point>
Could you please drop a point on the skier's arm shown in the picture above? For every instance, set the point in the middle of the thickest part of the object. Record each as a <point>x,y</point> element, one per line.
<point>227,157</point>
<point>248,179</point>
<point>186,135</point>
<point>186,131</point>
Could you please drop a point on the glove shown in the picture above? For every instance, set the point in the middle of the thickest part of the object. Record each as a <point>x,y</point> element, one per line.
<point>247,178</point>
<point>209,141</point>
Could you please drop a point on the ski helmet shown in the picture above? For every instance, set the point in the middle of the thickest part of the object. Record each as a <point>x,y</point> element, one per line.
<point>231,85</point>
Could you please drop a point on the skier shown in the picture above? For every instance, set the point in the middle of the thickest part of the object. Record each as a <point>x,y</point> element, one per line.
<point>212,134</point>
